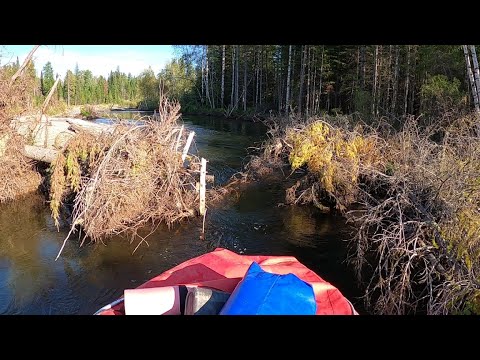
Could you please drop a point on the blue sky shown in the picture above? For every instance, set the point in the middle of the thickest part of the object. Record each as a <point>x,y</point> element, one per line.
<point>100,59</point>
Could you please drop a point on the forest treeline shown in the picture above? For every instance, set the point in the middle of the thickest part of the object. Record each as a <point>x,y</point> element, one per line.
<point>371,80</point>
<point>79,87</point>
<point>377,80</point>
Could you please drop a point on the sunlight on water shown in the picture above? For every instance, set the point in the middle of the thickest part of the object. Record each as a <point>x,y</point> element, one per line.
<point>86,278</point>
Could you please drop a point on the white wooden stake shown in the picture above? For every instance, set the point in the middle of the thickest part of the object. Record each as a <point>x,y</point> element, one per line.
<point>178,138</point>
<point>203,173</point>
<point>187,145</point>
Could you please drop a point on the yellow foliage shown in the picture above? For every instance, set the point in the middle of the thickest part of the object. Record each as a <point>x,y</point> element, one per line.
<point>463,234</point>
<point>472,304</point>
<point>333,155</point>
<point>66,170</point>
<point>57,186</point>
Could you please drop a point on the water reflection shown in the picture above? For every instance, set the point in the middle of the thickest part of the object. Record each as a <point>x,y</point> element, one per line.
<point>86,278</point>
<point>83,279</point>
<point>109,117</point>
<point>26,276</point>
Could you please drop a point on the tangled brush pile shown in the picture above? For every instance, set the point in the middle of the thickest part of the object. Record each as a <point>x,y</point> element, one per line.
<point>121,181</point>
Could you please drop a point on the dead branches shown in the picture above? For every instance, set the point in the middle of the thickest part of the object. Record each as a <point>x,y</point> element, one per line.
<point>24,65</point>
<point>17,173</point>
<point>416,239</point>
<point>420,225</point>
<point>127,179</point>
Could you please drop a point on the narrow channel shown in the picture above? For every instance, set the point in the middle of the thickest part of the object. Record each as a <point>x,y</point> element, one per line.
<point>251,222</point>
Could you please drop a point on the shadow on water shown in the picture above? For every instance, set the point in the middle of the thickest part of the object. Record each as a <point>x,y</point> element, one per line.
<point>84,279</point>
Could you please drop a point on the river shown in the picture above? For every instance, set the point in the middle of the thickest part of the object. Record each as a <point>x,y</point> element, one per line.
<point>85,278</point>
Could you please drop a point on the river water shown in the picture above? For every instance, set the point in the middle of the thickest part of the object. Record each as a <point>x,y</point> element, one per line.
<point>249,222</point>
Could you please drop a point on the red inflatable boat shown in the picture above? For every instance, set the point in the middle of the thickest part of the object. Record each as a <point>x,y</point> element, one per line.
<point>222,270</point>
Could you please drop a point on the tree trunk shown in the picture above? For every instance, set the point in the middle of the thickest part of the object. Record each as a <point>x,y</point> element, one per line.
<point>362,66</point>
<point>24,65</point>
<point>292,74</point>
<point>307,103</point>
<point>476,71</point>
<point>302,77</point>
<point>212,89</point>
<point>223,78</point>
<point>413,80</point>
<point>395,80</point>
<point>89,126</point>
<point>313,84</point>
<point>68,89</point>
<point>236,75</point>
<point>358,70</point>
<point>389,79</point>
<point>49,96</point>
<point>203,80</point>
<point>473,86</point>
<point>40,153</point>
<point>257,73</point>
<point>319,94</point>
<point>232,96</point>
<point>287,96</point>
<point>407,81</point>
<point>244,81</point>
<point>278,79</point>
<point>260,93</point>
<point>375,76</point>
<point>207,90</point>
<point>379,80</point>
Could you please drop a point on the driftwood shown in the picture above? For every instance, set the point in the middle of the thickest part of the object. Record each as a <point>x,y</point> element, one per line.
<point>59,137</point>
<point>24,65</point>
<point>60,130</point>
<point>40,153</point>
<point>96,129</point>
<point>42,133</point>
<point>49,96</point>
<point>42,112</point>
<point>53,133</point>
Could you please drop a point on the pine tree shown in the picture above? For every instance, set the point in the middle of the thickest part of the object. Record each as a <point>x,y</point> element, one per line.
<point>47,78</point>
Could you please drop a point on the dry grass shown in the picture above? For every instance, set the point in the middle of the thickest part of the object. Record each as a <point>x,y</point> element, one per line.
<point>122,181</point>
<point>17,174</point>
<point>421,222</point>
<point>15,99</point>
<point>412,196</point>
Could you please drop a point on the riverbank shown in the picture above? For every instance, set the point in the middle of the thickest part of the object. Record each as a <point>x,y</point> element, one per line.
<point>220,114</point>
<point>412,195</point>
<point>76,110</point>
<point>92,111</point>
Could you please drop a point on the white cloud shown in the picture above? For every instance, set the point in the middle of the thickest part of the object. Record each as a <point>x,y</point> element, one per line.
<point>129,61</point>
